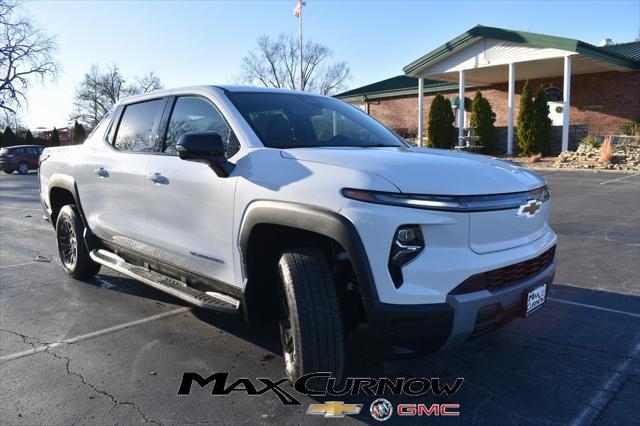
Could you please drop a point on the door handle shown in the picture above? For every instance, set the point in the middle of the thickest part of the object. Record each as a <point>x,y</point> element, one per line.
<point>102,172</point>
<point>158,178</point>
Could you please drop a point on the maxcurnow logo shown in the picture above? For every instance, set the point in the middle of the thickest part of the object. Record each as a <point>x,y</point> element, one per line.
<point>307,385</point>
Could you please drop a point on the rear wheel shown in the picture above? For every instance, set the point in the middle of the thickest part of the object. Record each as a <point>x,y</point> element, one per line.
<point>311,324</point>
<point>8,171</point>
<point>71,247</point>
<point>23,168</point>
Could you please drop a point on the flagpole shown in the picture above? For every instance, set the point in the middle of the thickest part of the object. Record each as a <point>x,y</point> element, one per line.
<point>300,35</point>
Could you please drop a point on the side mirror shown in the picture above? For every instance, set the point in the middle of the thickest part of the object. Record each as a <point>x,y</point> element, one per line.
<point>204,147</point>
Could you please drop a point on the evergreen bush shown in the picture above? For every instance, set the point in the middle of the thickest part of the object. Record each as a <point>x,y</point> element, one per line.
<point>482,123</point>
<point>440,131</point>
<point>55,138</point>
<point>541,124</point>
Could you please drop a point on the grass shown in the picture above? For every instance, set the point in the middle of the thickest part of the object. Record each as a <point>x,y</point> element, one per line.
<point>606,152</point>
<point>534,158</point>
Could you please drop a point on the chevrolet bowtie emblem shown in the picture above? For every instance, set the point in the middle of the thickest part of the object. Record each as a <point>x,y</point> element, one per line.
<point>335,409</point>
<point>530,208</point>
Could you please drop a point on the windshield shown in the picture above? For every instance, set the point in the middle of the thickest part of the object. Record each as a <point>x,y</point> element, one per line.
<point>290,120</point>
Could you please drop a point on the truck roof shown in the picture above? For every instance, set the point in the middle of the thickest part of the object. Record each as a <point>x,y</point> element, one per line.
<point>210,88</point>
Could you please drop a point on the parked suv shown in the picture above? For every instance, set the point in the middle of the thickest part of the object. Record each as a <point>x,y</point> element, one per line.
<point>20,157</point>
<point>298,208</point>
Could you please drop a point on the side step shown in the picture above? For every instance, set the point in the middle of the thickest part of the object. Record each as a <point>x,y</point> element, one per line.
<point>209,300</point>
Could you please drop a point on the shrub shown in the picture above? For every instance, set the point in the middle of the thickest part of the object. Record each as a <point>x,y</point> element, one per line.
<point>606,152</point>
<point>541,124</point>
<point>28,138</point>
<point>591,141</point>
<point>54,140</point>
<point>8,138</point>
<point>482,122</point>
<point>440,131</point>
<point>534,158</point>
<point>78,134</point>
<point>526,131</point>
<point>631,128</point>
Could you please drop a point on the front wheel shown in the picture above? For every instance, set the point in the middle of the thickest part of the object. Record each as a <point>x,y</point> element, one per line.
<point>23,168</point>
<point>311,324</point>
<point>71,247</point>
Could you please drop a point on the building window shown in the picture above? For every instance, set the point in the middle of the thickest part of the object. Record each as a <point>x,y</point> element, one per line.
<point>554,94</point>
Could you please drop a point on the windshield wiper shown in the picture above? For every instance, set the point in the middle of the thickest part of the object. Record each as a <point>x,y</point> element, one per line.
<point>380,145</point>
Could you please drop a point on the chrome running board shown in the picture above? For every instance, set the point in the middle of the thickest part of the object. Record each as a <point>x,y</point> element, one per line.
<point>208,300</point>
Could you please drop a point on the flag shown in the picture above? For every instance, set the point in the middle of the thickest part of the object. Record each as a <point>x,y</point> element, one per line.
<point>297,11</point>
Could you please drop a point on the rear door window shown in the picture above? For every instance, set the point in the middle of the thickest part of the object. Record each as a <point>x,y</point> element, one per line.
<point>137,131</point>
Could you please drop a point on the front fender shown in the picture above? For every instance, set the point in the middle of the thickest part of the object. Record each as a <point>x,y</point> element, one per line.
<point>313,219</point>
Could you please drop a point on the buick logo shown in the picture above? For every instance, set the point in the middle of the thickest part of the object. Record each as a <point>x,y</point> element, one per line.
<point>381,409</point>
<point>530,208</point>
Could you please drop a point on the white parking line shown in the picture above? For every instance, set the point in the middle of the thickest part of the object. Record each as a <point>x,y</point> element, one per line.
<point>602,398</point>
<point>92,335</point>
<point>599,308</point>
<point>618,179</point>
<point>16,265</point>
<point>18,208</point>
<point>15,230</point>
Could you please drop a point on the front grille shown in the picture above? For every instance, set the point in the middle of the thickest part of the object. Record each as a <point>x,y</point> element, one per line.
<point>503,277</point>
<point>506,276</point>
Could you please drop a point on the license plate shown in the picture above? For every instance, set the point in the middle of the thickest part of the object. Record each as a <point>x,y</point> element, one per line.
<point>536,298</point>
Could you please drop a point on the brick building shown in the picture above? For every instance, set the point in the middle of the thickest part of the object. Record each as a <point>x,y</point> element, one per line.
<point>590,89</point>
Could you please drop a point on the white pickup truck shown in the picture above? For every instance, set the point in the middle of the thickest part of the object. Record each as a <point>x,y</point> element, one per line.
<point>287,206</point>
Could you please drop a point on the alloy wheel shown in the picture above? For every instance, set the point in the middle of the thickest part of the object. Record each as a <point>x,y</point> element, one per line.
<point>286,336</point>
<point>68,244</point>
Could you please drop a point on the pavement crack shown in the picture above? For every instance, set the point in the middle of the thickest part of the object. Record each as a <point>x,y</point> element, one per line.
<point>26,339</point>
<point>116,403</point>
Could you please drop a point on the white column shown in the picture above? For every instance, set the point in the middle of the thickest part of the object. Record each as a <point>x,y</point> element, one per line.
<point>566,93</point>
<point>420,109</point>
<point>510,106</point>
<point>461,107</point>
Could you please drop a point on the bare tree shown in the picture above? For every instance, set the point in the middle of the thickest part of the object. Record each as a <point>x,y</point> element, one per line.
<point>26,53</point>
<point>148,83</point>
<point>99,90</point>
<point>276,63</point>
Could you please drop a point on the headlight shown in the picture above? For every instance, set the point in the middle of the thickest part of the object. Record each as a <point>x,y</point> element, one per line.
<point>407,245</point>
<point>450,203</point>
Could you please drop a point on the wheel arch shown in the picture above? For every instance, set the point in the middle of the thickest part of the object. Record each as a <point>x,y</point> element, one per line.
<point>62,190</point>
<point>303,222</point>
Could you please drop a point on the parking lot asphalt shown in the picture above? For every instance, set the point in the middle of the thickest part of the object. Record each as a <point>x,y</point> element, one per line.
<point>112,350</point>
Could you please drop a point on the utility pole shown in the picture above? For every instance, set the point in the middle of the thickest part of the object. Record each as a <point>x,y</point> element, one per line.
<point>297,12</point>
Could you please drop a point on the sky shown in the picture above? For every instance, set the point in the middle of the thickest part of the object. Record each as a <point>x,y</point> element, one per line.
<point>203,42</point>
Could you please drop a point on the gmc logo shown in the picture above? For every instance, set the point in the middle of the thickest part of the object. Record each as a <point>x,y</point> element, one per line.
<point>428,410</point>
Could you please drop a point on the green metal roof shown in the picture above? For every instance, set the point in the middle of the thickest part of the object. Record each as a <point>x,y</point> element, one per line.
<point>399,85</point>
<point>532,39</point>
<point>630,50</point>
<point>624,54</point>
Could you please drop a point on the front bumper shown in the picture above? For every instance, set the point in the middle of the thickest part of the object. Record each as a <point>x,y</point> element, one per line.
<point>401,330</point>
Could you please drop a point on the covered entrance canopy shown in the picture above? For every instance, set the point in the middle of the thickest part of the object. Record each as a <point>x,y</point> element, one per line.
<point>484,55</point>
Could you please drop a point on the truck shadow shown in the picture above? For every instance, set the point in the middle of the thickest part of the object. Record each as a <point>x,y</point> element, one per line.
<point>544,369</point>
<point>562,354</point>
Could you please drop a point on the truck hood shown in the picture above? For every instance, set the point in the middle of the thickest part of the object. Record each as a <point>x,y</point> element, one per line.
<point>428,171</point>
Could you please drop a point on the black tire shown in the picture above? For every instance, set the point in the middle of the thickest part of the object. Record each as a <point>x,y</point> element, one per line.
<point>311,324</point>
<point>71,246</point>
<point>22,168</point>
<point>8,171</point>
